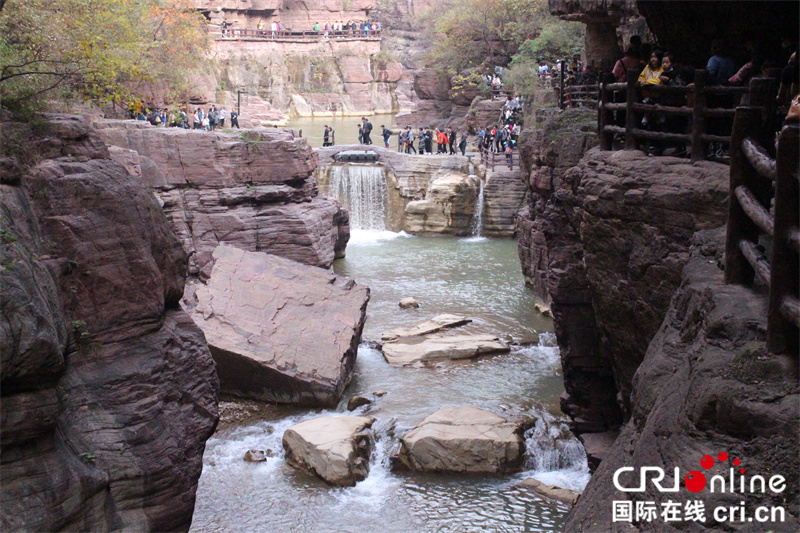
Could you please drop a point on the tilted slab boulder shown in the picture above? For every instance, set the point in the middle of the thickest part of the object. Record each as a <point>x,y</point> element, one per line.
<point>415,349</point>
<point>462,440</point>
<point>279,330</point>
<point>334,448</point>
<point>433,325</point>
<point>553,492</point>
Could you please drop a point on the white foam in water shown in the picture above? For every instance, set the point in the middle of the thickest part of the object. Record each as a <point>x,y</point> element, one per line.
<point>554,456</point>
<point>475,239</point>
<point>363,236</point>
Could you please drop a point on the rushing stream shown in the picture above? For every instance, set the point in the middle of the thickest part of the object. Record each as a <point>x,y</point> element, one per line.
<point>478,277</point>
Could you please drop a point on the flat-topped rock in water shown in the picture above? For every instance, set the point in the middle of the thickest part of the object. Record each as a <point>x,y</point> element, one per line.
<point>415,349</point>
<point>279,330</point>
<point>551,491</point>
<point>433,325</point>
<point>334,448</point>
<point>462,440</point>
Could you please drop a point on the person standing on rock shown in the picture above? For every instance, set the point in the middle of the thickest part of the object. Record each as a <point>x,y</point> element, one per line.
<point>326,136</point>
<point>421,138</point>
<point>234,120</point>
<point>429,141</point>
<point>222,115</point>
<point>361,133</point>
<point>462,144</point>
<point>452,137</point>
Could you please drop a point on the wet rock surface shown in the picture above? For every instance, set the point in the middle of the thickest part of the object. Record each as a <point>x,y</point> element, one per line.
<point>108,390</point>
<point>279,330</point>
<point>336,449</point>
<point>461,440</point>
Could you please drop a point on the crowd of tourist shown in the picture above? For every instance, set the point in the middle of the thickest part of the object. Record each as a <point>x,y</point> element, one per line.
<point>658,67</point>
<point>351,28</point>
<point>208,120</point>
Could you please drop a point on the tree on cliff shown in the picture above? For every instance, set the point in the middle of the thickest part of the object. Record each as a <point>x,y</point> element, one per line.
<point>97,50</point>
<point>470,32</point>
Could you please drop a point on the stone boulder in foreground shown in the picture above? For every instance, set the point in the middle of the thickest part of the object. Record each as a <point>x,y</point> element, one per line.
<point>334,448</point>
<point>437,323</point>
<point>279,330</point>
<point>412,350</point>
<point>462,440</point>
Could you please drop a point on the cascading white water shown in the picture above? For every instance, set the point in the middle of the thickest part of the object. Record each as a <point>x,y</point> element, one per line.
<point>555,454</point>
<point>362,191</point>
<point>477,220</point>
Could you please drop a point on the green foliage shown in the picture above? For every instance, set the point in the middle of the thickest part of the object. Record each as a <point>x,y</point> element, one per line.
<point>98,50</point>
<point>557,40</point>
<point>470,83</point>
<point>473,30</point>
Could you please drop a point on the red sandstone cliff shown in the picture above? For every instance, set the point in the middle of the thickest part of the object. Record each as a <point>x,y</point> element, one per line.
<point>109,391</point>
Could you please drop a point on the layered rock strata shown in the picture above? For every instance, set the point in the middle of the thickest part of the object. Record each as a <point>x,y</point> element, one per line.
<point>280,331</point>
<point>461,440</point>
<point>108,388</point>
<point>707,385</point>
<point>252,190</point>
<point>336,449</point>
<point>612,238</point>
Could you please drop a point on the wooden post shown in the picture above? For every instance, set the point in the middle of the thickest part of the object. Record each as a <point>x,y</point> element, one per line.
<point>737,269</point>
<point>630,116</point>
<point>698,121</point>
<point>782,334</point>
<point>606,139</point>
<point>561,90</point>
<point>762,93</point>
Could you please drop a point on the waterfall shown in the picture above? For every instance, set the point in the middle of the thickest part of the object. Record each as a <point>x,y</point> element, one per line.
<point>554,455</point>
<point>477,221</point>
<point>362,191</point>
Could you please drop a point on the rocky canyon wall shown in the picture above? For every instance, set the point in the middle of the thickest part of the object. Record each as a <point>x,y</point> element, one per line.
<point>607,246</point>
<point>707,385</point>
<point>253,190</point>
<point>109,391</point>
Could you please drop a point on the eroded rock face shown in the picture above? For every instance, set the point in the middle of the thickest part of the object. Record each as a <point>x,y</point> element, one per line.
<point>611,239</point>
<point>336,449</point>
<point>461,440</point>
<point>108,390</point>
<point>280,331</point>
<point>255,194</point>
<point>707,382</point>
<point>448,208</point>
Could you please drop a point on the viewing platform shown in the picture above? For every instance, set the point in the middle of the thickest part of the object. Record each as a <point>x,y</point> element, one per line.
<point>245,34</point>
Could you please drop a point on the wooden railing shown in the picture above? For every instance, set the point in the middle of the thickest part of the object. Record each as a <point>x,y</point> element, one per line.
<point>698,111</point>
<point>290,35</point>
<point>752,228</point>
<point>490,159</point>
<point>578,96</point>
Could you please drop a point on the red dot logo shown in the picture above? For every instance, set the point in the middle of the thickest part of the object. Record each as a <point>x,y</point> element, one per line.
<point>707,462</point>
<point>722,456</point>
<point>741,470</point>
<point>695,481</point>
<point>736,462</point>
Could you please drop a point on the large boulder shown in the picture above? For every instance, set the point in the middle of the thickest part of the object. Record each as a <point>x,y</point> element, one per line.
<point>462,440</point>
<point>447,209</point>
<point>411,350</point>
<point>279,330</point>
<point>334,448</point>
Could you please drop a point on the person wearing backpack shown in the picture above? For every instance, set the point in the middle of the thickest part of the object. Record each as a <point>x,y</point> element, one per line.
<point>367,131</point>
<point>385,134</point>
